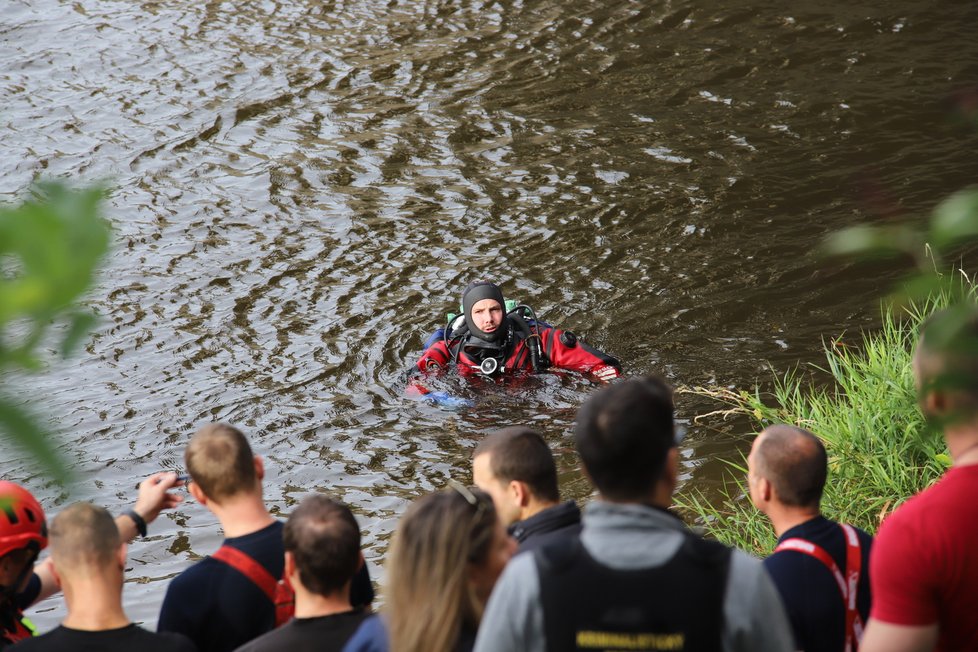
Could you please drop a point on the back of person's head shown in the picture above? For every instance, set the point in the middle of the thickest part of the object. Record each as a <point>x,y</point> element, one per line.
<point>623,433</point>
<point>946,365</point>
<point>324,540</point>
<point>23,530</point>
<point>429,596</point>
<point>521,454</point>
<point>84,540</point>
<point>220,462</point>
<point>794,461</point>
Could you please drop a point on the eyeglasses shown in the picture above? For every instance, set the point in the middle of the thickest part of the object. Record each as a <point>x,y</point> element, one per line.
<point>470,498</point>
<point>480,509</point>
<point>466,493</point>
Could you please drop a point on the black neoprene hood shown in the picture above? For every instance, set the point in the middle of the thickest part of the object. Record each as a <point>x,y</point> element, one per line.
<point>473,294</point>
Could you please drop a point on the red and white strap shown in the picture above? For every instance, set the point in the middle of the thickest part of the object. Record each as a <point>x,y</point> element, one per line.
<point>848,583</point>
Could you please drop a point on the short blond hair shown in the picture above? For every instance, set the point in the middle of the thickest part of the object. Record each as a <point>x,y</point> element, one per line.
<point>220,461</point>
<point>84,535</point>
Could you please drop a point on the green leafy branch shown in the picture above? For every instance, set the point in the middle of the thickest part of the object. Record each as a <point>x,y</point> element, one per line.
<point>954,223</point>
<point>51,246</point>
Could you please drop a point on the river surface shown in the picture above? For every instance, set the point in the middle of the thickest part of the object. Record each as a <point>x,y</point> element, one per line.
<point>302,189</point>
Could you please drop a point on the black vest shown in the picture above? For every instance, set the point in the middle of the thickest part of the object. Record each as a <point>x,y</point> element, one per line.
<point>676,606</point>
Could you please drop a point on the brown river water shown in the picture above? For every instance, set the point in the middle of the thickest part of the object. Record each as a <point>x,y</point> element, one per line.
<point>301,189</point>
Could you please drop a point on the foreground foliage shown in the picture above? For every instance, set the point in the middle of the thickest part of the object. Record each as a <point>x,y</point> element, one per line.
<point>50,248</point>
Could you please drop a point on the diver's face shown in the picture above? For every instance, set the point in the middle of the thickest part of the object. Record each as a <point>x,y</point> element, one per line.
<point>487,315</point>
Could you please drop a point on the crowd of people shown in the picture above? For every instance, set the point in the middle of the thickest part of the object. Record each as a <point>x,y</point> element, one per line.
<point>505,566</point>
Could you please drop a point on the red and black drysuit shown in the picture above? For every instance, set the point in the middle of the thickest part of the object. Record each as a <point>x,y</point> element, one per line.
<point>557,348</point>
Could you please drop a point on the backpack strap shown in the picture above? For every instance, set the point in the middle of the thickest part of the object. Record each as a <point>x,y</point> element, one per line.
<point>848,583</point>
<point>854,561</point>
<point>247,566</point>
<point>279,592</point>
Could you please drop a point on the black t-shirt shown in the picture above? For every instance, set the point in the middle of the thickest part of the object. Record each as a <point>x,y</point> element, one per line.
<point>220,609</point>
<point>808,589</point>
<point>126,639</point>
<point>322,634</point>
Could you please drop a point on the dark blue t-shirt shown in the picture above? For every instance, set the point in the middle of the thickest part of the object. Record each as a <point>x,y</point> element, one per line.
<point>808,589</point>
<point>220,609</point>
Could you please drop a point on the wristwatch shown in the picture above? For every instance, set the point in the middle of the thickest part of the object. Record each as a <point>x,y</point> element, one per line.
<point>138,520</point>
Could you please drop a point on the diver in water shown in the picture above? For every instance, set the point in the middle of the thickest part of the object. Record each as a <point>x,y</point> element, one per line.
<point>487,339</point>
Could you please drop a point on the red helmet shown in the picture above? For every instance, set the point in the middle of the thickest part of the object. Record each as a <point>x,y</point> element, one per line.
<point>21,519</point>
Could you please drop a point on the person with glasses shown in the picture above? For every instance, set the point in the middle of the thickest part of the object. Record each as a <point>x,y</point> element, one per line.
<point>637,578</point>
<point>491,341</point>
<point>448,550</point>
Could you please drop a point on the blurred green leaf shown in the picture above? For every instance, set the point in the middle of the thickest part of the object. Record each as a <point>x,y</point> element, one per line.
<point>955,219</point>
<point>918,287</point>
<point>50,249</point>
<point>873,242</point>
<point>23,430</point>
<point>80,325</point>
<point>56,240</point>
<point>22,358</point>
<point>948,331</point>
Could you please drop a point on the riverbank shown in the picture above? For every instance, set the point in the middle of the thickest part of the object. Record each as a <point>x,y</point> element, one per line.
<point>880,450</point>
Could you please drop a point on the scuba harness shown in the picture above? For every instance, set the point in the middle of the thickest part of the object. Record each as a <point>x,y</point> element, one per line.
<point>492,356</point>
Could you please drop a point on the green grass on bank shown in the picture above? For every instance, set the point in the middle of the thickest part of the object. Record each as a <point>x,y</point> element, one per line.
<point>880,450</point>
